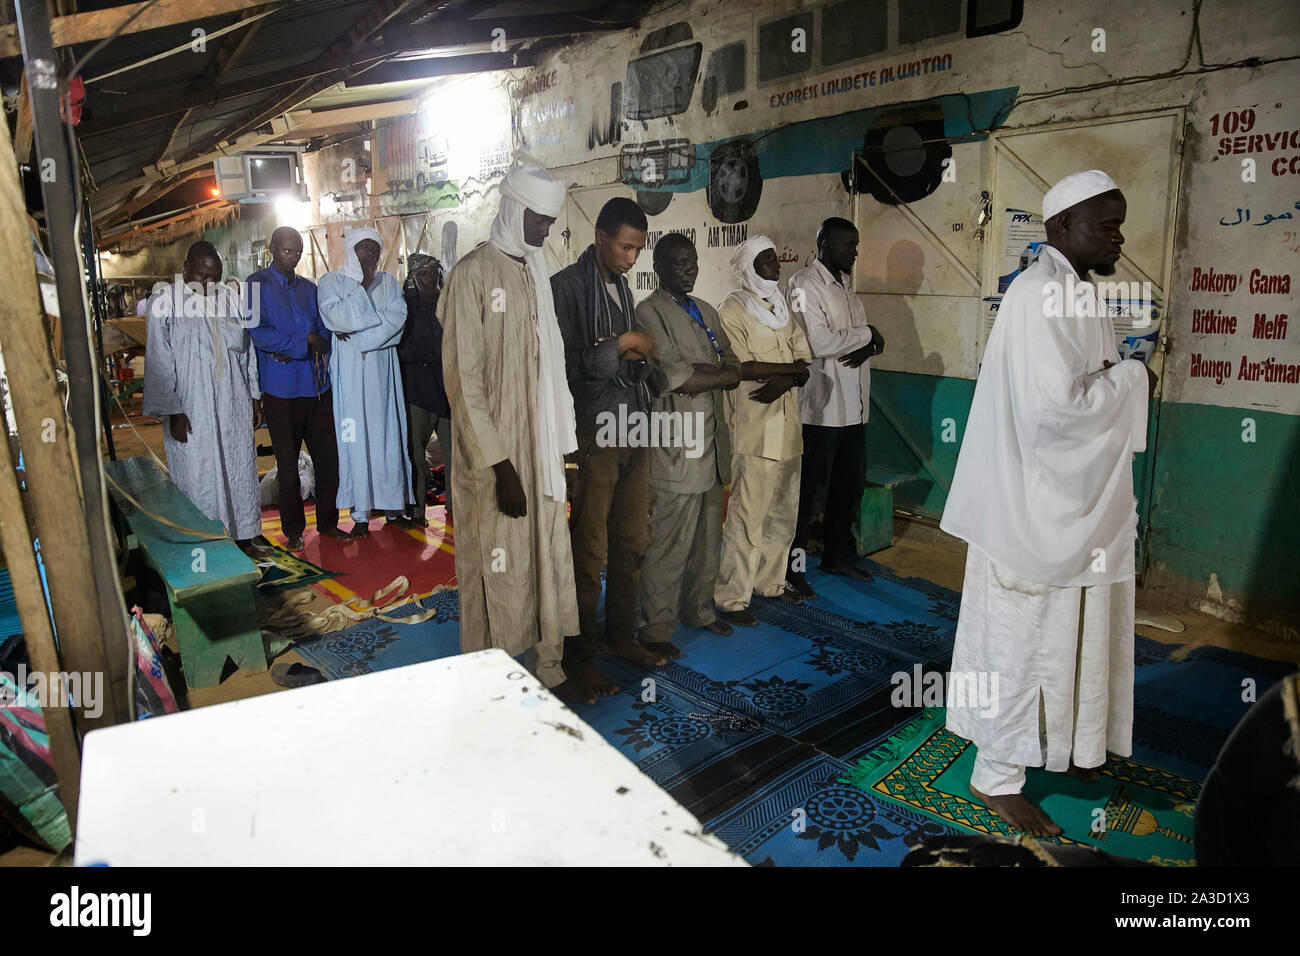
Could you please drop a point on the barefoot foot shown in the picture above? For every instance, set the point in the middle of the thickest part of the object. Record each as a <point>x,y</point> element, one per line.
<point>589,684</point>
<point>742,618</point>
<point>663,649</point>
<point>1090,774</point>
<point>1019,812</point>
<point>634,652</point>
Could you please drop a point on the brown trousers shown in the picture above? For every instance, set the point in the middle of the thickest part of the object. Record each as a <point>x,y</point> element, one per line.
<point>608,528</point>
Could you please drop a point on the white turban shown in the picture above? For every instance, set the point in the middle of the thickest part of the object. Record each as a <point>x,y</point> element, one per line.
<point>755,287</point>
<point>531,187</point>
<point>1074,189</point>
<point>351,264</point>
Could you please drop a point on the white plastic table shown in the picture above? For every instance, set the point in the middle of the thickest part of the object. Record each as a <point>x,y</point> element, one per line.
<point>465,760</point>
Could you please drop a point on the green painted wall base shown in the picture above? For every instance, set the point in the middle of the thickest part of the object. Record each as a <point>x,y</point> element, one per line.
<point>1219,505</point>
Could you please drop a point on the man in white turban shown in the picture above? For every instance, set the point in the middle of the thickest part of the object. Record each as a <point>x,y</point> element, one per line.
<point>766,434</point>
<point>1043,495</point>
<point>364,308</point>
<point>512,424</point>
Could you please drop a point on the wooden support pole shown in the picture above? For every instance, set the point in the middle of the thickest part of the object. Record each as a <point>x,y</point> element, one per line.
<point>73,530</point>
<point>65,749</point>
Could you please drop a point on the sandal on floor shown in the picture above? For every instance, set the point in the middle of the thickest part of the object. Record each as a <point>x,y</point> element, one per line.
<point>296,675</point>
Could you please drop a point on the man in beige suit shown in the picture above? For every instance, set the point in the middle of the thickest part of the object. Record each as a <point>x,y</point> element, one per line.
<point>690,454</point>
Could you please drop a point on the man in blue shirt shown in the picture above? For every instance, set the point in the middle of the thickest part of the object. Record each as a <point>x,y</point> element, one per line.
<point>293,364</point>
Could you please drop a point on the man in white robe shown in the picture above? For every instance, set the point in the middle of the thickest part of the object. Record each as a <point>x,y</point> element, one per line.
<point>365,310</point>
<point>512,424</point>
<point>1043,494</point>
<point>200,375</point>
<point>766,434</point>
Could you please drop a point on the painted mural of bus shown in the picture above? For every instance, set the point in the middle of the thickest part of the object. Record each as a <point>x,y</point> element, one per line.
<point>936,126</point>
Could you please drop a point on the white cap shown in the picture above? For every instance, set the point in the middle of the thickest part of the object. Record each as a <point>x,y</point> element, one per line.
<point>1074,189</point>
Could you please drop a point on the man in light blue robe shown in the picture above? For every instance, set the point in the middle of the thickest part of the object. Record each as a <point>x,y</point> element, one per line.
<point>365,310</point>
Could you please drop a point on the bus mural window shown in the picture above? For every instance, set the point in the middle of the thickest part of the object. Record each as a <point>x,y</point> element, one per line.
<point>993,16</point>
<point>725,74</point>
<point>852,29</point>
<point>661,84</point>
<point>778,53</point>
<point>927,19</point>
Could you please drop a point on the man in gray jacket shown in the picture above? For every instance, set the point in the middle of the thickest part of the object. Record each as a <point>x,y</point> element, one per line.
<point>690,453</point>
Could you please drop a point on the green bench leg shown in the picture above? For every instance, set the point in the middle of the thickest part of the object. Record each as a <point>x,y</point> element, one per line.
<point>229,629</point>
<point>875,526</point>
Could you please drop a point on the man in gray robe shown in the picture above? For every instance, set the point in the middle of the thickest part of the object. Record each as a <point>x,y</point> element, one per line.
<point>690,453</point>
<point>200,376</point>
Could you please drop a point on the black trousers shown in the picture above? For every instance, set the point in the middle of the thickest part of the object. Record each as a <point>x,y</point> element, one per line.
<point>831,482</point>
<point>291,421</point>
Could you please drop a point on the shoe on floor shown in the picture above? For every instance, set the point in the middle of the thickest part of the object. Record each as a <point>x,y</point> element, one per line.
<point>295,675</point>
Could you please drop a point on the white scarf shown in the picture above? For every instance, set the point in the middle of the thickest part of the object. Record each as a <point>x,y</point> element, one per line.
<point>351,264</point>
<point>531,187</point>
<point>762,296</point>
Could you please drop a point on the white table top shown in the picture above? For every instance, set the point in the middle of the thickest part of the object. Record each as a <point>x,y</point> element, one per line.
<point>461,761</point>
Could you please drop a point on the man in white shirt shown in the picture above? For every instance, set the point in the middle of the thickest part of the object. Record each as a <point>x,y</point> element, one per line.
<point>1043,495</point>
<point>834,404</point>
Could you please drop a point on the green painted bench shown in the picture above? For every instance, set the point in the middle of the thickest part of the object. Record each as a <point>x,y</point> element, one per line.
<point>211,585</point>
<point>874,529</point>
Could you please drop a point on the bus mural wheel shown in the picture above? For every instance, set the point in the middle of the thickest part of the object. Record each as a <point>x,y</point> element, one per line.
<point>420,182</point>
<point>735,182</point>
<point>905,155</point>
<point>652,204</point>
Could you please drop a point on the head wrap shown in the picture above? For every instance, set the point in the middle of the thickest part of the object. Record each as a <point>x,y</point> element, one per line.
<point>351,264</point>
<point>1074,189</point>
<point>761,297</point>
<point>531,187</point>
<point>414,263</point>
<point>525,187</point>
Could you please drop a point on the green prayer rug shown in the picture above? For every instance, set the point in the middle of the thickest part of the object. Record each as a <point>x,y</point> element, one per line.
<point>1134,810</point>
<point>283,569</point>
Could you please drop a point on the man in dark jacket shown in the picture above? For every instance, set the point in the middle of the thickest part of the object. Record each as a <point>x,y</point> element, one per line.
<point>420,351</point>
<point>609,377</point>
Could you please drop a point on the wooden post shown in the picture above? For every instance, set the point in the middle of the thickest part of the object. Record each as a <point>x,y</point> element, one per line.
<point>37,632</point>
<point>53,498</point>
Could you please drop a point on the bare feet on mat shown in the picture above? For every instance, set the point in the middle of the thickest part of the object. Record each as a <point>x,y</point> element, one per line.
<point>742,618</point>
<point>1017,810</point>
<point>589,684</point>
<point>799,584</point>
<point>338,534</point>
<point>846,569</point>
<point>295,543</point>
<point>634,652</point>
<point>789,595</point>
<point>663,649</point>
<point>253,549</point>
<point>1090,774</point>
<point>719,626</point>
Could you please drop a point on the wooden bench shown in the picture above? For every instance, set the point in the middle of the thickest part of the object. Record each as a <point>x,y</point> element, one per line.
<point>211,585</point>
